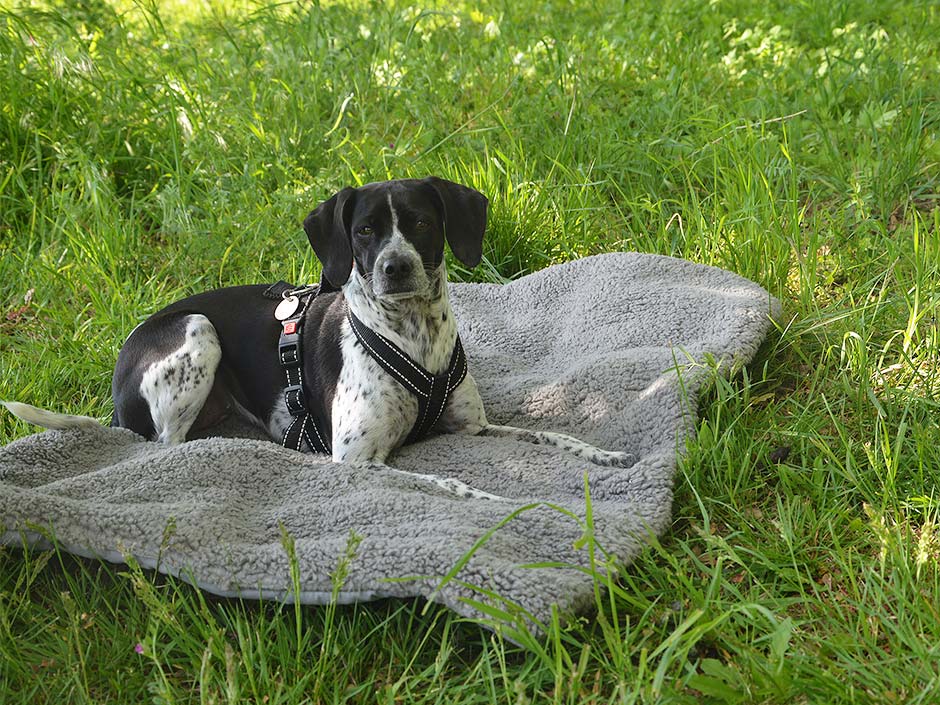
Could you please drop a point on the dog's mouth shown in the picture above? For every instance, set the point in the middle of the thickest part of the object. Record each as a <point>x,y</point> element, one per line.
<point>424,284</point>
<point>392,291</point>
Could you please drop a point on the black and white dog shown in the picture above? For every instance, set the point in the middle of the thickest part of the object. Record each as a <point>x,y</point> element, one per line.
<point>382,249</point>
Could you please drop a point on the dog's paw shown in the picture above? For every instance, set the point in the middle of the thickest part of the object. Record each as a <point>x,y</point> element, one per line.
<point>615,459</point>
<point>448,485</point>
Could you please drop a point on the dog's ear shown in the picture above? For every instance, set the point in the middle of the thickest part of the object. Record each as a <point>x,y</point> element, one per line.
<point>327,228</point>
<point>464,219</point>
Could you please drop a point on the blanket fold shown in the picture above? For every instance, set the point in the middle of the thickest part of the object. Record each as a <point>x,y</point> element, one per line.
<point>608,349</point>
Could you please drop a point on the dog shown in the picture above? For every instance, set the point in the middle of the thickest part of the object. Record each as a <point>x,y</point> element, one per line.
<point>381,247</point>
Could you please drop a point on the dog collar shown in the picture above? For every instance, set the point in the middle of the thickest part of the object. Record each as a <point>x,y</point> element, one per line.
<point>431,391</point>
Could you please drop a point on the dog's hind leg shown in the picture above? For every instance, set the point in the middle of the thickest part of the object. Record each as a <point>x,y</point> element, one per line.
<point>176,377</point>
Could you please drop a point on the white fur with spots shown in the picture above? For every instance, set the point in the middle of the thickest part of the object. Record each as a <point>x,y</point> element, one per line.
<point>176,387</point>
<point>372,412</point>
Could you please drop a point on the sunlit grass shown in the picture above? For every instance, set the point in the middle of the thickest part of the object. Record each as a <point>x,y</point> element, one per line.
<point>149,150</point>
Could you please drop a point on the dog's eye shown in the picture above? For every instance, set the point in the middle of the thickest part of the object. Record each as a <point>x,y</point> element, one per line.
<point>365,231</point>
<point>421,226</point>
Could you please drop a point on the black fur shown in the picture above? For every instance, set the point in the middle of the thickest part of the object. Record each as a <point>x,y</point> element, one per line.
<point>337,228</point>
<point>249,373</point>
<point>350,228</point>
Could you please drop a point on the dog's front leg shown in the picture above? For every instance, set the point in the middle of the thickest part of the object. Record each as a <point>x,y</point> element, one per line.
<point>449,485</point>
<point>464,411</point>
<point>465,414</point>
<point>585,451</point>
<point>361,439</point>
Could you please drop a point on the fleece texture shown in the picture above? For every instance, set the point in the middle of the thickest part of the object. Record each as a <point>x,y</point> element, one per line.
<point>612,349</point>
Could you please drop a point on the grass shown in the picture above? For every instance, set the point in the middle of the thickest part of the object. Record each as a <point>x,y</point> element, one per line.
<point>151,149</point>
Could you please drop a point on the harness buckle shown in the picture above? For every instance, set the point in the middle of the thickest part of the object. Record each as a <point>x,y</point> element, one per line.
<point>289,352</point>
<point>294,398</point>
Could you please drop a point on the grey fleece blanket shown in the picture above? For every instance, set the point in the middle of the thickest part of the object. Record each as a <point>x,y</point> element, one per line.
<point>602,348</point>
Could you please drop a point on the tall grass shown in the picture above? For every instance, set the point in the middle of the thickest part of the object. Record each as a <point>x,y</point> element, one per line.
<point>151,149</point>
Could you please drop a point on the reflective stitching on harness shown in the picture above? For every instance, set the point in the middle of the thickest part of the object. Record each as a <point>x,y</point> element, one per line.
<point>441,410</point>
<point>424,413</point>
<point>401,378</point>
<point>305,432</point>
<point>295,399</point>
<point>449,388</point>
<point>460,375</point>
<point>308,418</point>
<point>316,429</point>
<point>391,346</point>
<point>394,349</point>
<point>288,430</point>
<point>456,372</point>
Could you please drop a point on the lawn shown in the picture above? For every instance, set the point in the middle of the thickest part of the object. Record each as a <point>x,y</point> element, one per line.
<point>152,149</point>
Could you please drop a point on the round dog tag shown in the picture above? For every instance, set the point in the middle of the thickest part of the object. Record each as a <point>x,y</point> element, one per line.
<point>286,308</point>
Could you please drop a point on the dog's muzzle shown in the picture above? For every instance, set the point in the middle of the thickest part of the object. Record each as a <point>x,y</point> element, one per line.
<point>398,273</point>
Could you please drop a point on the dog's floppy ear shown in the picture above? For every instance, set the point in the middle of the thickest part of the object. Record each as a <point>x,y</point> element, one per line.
<point>464,219</point>
<point>327,228</point>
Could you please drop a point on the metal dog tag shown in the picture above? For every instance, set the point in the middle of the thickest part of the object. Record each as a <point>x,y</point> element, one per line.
<point>286,308</point>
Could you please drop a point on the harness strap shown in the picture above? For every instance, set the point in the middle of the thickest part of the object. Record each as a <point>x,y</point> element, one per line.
<point>275,292</point>
<point>431,391</point>
<point>304,427</point>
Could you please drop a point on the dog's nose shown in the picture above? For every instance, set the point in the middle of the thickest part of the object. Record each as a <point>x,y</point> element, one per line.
<point>397,268</point>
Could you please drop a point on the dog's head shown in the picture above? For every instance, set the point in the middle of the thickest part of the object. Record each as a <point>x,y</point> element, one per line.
<point>393,232</point>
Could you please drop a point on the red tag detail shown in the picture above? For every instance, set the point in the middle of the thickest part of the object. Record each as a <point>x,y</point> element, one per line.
<point>290,327</point>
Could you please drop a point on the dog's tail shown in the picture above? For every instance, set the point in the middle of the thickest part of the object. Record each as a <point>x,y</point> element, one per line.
<point>49,419</point>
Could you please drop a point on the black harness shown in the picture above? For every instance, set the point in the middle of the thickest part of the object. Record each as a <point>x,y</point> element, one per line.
<point>431,391</point>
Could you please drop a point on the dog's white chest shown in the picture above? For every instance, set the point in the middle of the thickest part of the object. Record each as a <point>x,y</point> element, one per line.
<point>372,413</point>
